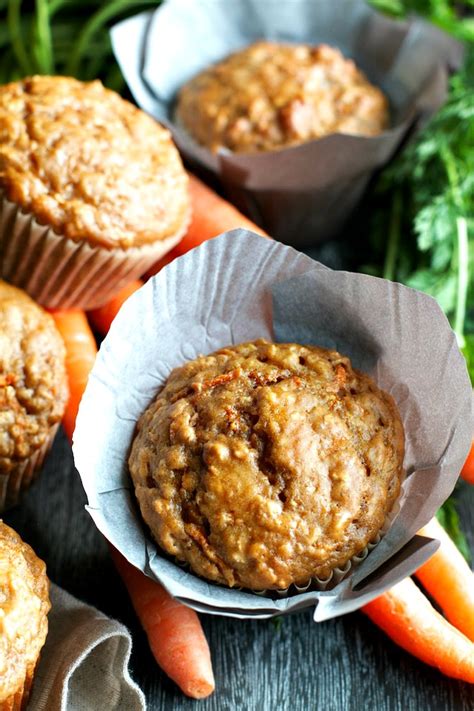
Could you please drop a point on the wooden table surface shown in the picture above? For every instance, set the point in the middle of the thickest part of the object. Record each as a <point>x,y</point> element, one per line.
<point>345,664</point>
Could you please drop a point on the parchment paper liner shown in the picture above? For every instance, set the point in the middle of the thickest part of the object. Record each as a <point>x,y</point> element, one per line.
<point>59,273</point>
<point>14,483</point>
<point>303,194</point>
<point>240,287</point>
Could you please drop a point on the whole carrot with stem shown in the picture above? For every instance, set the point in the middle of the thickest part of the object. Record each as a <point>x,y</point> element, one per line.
<point>81,350</point>
<point>409,619</point>
<point>174,631</point>
<point>449,580</point>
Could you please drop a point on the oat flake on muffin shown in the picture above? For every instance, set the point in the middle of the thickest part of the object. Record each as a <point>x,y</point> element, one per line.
<point>272,95</point>
<point>263,465</point>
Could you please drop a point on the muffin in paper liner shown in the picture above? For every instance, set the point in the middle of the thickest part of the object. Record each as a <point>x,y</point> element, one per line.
<point>14,483</point>
<point>60,273</point>
<point>244,288</point>
<point>93,190</point>
<point>23,638</point>
<point>306,193</point>
<point>265,464</point>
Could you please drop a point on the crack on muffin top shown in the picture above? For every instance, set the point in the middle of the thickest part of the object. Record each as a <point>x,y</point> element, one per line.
<point>266,464</point>
<point>89,164</point>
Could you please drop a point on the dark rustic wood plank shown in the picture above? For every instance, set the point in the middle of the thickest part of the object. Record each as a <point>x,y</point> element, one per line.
<point>341,665</point>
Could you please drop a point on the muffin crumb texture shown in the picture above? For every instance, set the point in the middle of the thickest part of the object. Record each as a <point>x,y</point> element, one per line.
<point>24,605</point>
<point>89,164</point>
<point>272,95</point>
<point>263,465</point>
<point>33,383</point>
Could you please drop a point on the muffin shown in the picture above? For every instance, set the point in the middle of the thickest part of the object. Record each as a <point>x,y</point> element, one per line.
<point>264,465</point>
<point>271,95</point>
<point>24,605</point>
<point>93,191</point>
<point>33,389</point>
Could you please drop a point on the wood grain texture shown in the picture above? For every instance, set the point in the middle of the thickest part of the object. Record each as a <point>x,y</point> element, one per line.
<point>345,664</point>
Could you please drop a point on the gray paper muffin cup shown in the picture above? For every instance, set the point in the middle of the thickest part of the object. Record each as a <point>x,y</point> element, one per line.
<point>246,287</point>
<point>304,194</point>
<point>59,273</point>
<point>14,483</point>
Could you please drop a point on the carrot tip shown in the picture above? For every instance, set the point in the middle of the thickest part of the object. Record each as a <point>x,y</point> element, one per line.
<point>198,688</point>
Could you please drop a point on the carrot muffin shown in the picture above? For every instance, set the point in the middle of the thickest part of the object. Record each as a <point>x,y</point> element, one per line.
<point>33,389</point>
<point>103,176</point>
<point>264,464</point>
<point>271,95</point>
<point>24,605</point>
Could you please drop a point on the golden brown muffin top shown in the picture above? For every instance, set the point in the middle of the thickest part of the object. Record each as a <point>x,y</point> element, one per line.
<point>89,164</point>
<point>33,383</point>
<point>273,95</point>
<point>267,464</point>
<point>24,604</point>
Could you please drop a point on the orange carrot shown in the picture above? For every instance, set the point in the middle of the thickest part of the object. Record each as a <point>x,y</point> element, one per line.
<point>467,471</point>
<point>102,317</point>
<point>174,631</point>
<point>449,580</point>
<point>211,215</point>
<point>81,350</point>
<point>410,620</point>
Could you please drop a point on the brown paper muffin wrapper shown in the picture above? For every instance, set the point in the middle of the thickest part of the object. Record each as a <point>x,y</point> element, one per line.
<point>14,483</point>
<point>19,700</point>
<point>59,273</point>
<point>247,287</point>
<point>306,193</point>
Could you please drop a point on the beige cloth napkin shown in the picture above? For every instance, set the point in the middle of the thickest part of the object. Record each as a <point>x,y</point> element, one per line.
<point>84,663</point>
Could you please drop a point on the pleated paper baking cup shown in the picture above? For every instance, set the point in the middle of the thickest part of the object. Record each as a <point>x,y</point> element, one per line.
<point>59,273</point>
<point>306,193</point>
<point>245,287</point>
<point>14,483</point>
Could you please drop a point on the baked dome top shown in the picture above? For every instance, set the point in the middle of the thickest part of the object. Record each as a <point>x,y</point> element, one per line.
<point>89,164</point>
<point>266,464</point>
<point>272,95</point>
